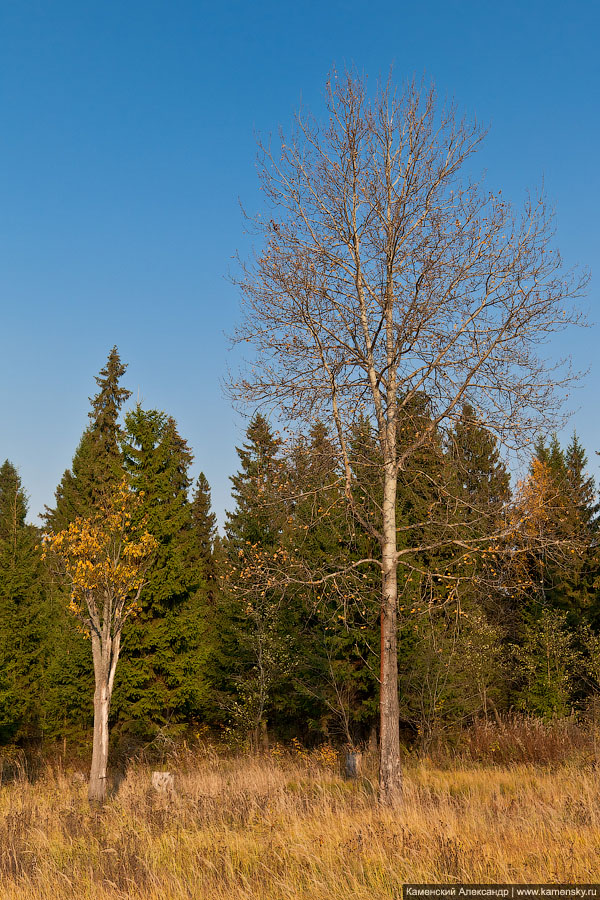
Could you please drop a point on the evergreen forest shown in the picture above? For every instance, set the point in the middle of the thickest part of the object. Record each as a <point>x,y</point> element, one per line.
<point>268,632</point>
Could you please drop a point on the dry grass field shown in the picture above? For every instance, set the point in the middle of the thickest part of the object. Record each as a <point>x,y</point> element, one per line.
<point>289,826</point>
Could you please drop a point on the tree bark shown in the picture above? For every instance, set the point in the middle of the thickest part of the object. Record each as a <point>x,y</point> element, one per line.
<point>97,783</point>
<point>105,652</point>
<point>263,736</point>
<point>390,775</point>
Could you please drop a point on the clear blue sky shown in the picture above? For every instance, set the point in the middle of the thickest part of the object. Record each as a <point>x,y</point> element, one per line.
<point>128,135</point>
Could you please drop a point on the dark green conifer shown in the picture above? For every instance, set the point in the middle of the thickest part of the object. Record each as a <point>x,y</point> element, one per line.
<point>96,467</point>
<point>450,501</point>
<point>24,615</point>
<point>582,488</point>
<point>255,643</point>
<point>482,493</point>
<point>564,573</point>
<point>97,463</point>
<point>157,460</point>
<point>339,620</point>
<point>203,534</point>
<point>483,475</point>
<point>579,576</point>
<point>256,517</point>
<point>160,680</point>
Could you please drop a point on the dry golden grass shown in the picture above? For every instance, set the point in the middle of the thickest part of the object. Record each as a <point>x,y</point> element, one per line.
<point>280,828</point>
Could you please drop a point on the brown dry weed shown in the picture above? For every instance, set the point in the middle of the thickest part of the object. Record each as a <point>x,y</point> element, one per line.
<point>293,829</point>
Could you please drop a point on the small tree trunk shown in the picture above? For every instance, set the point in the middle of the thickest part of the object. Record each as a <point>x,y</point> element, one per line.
<point>373,739</point>
<point>390,775</point>
<point>97,784</point>
<point>353,763</point>
<point>263,736</point>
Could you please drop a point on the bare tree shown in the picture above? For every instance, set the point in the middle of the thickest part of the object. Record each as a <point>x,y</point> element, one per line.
<point>386,274</point>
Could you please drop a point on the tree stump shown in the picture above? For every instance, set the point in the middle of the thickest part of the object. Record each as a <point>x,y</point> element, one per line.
<point>353,763</point>
<point>164,783</point>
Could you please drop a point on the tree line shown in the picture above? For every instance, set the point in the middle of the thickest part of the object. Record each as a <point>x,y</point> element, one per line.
<point>272,630</point>
<point>375,559</point>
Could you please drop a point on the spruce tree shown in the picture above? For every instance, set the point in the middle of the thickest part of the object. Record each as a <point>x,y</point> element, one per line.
<point>451,496</point>
<point>557,518</point>
<point>564,575</point>
<point>203,534</point>
<point>254,636</point>
<point>337,620</point>
<point>256,517</point>
<point>484,477</point>
<point>161,681</point>
<point>581,485</point>
<point>24,615</point>
<point>484,494</point>
<point>97,463</point>
<point>157,460</point>
<point>577,580</point>
<point>96,467</point>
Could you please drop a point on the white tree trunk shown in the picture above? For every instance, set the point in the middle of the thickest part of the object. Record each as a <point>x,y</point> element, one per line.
<point>97,784</point>
<point>390,775</point>
<point>105,652</point>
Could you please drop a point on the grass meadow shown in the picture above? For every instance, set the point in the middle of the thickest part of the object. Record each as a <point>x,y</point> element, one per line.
<point>288,825</point>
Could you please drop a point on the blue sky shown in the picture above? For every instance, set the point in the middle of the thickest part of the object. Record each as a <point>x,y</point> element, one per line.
<point>128,138</point>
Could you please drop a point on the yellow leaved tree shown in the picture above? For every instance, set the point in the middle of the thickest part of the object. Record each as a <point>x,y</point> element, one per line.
<point>104,559</point>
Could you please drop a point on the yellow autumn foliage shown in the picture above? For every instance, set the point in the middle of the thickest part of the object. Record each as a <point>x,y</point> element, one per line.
<point>104,556</point>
